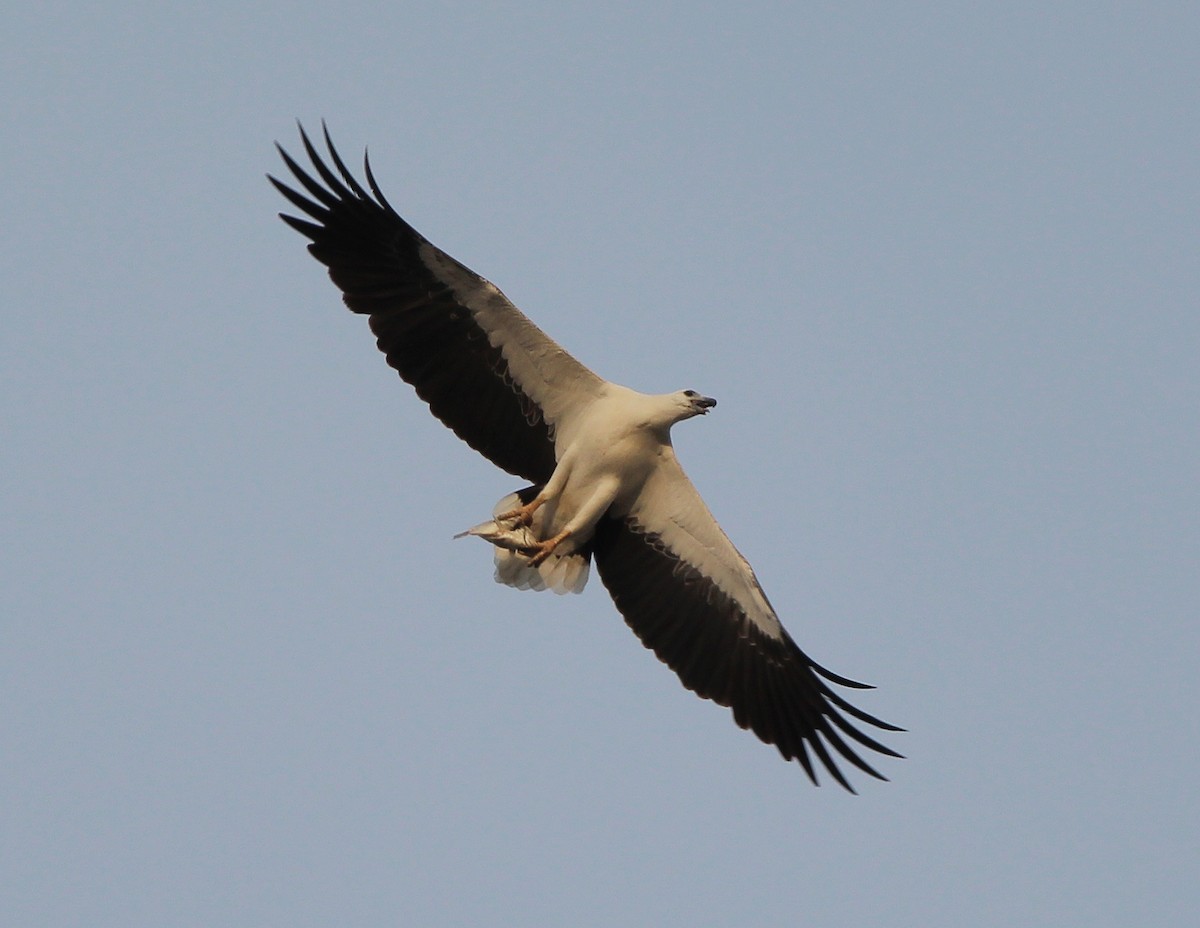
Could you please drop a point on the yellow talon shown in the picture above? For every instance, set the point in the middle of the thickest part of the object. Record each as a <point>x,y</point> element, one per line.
<point>546,548</point>
<point>522,516</point>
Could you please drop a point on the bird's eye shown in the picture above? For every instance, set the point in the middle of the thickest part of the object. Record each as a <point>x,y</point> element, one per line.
<point>690,394</point>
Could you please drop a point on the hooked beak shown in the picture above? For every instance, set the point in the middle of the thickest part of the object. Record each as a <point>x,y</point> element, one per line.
<point>705,403</point>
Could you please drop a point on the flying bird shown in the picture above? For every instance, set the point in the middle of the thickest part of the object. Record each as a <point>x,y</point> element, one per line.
<point>604,479</point>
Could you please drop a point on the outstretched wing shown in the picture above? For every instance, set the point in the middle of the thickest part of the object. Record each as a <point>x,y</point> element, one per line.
<point>485,370</point>
<point>691,597</point>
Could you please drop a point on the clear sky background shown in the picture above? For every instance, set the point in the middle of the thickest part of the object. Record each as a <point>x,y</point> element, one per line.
<point>939,264</point>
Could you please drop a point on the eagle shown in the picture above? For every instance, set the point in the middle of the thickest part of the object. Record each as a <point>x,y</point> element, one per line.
<point>604,481</point>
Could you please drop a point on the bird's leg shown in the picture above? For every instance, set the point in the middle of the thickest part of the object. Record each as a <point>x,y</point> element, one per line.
<point>545,548</point>
<point>603,494</point>
<point>523,515</point>
<point>552,490</point>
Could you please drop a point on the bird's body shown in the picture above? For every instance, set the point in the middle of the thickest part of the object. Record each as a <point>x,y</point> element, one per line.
<point>605,479</point>
<point>606,447</point>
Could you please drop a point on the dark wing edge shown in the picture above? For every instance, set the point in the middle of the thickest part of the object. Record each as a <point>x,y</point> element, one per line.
<point>431,338</point>
<point>773,688</point>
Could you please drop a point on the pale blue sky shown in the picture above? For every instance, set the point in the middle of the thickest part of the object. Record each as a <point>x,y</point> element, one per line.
<point>939,264</point>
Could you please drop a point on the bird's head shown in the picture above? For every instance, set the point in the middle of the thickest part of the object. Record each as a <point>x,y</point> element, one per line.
<point>690,403</point>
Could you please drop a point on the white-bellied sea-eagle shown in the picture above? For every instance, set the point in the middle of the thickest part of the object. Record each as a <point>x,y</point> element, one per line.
<point>605,482</point>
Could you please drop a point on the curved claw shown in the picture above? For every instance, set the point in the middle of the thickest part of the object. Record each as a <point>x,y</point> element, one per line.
<point>522,516</point>
<point>546,548</point>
